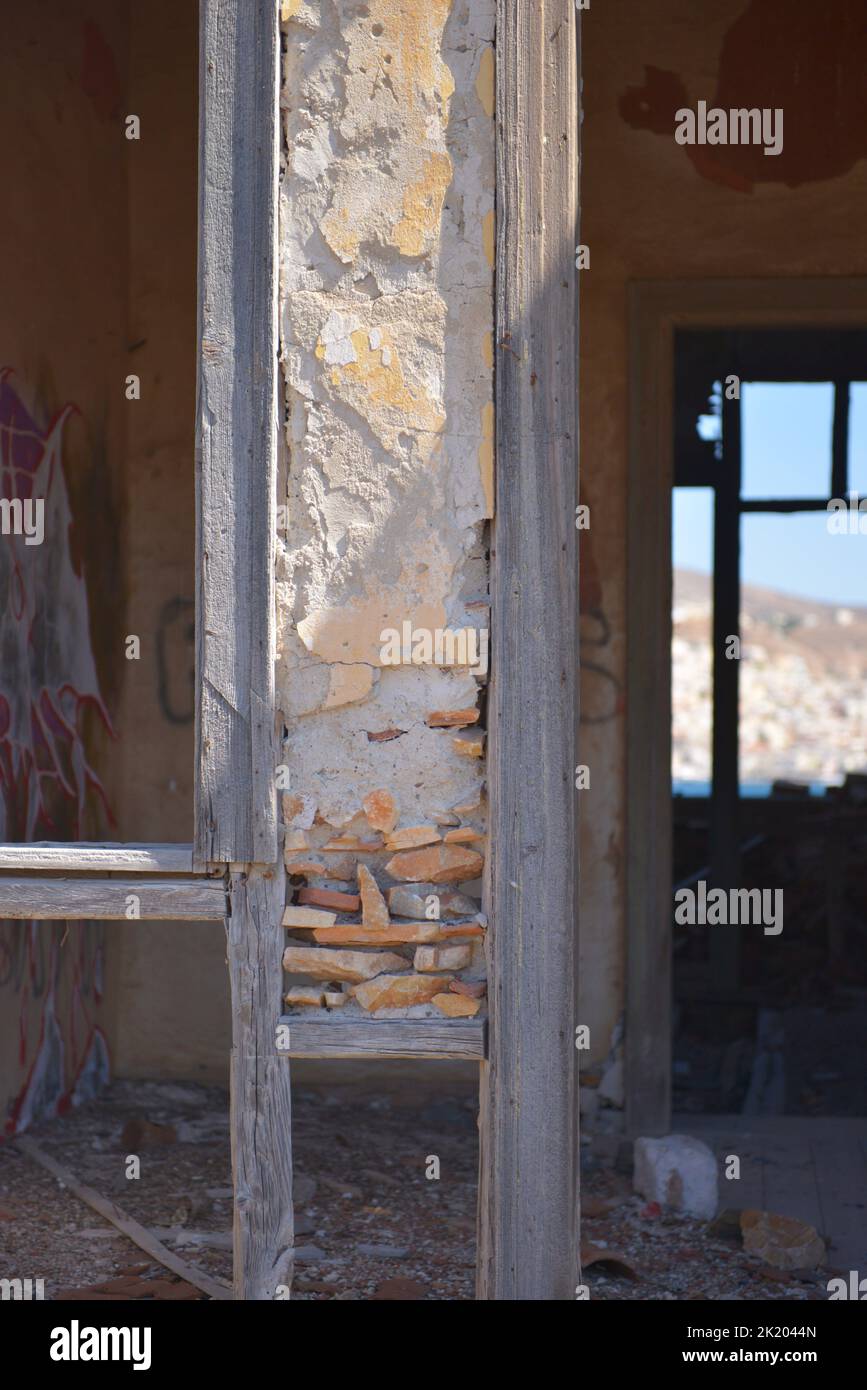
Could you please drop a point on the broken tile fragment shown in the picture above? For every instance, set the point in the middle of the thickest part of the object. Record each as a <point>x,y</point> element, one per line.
<point>436,864</point>
<point>398,991</point>
<point>410,900</point>
<point>307,917</point>
<point>456,1005</point>
<point>352,966</point>
<point>451,718</point>
<point>473,989</point>
<point>428,959</point>
<point>329,897</point>
<point>451,930</point>
<point>335,999</point>
<point>413,836</point>
<point>384,735</point>
<point>374,912</point>
<point>310,996</point>
<point>469,745</point>
<point>381,810</point>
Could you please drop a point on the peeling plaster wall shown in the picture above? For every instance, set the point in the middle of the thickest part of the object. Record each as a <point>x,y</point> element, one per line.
<point>650,211</point>
<point>386,260</point>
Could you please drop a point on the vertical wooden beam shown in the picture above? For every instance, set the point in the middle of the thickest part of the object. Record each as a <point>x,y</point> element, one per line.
<point>528,1190</point>
<point>260,1090</point>
<point>237,431</point>
<point>648,718</point>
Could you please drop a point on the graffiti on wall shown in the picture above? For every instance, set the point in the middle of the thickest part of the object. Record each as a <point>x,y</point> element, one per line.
<point>601,689</point>
<point>48,687</point>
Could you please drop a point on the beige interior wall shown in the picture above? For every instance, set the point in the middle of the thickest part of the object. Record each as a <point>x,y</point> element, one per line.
<point>652,209</point>
<point>168,983</point>
<point>62,325</point>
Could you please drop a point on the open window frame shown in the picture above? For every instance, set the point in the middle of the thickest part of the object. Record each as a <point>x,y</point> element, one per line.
<point>235,815</point>
<point>228,873</point>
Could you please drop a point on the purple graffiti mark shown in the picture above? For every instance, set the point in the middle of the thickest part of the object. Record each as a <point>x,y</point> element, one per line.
<point>601,695</point>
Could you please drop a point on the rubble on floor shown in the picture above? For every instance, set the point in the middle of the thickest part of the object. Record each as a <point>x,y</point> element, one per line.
<point>385,1192</point>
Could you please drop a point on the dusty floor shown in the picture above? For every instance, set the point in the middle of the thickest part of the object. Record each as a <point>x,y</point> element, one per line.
<point>370,1222</point>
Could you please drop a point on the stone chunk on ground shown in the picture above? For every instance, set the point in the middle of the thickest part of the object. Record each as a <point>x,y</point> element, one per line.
<point>679,1172</point>
<point>781,1241</point>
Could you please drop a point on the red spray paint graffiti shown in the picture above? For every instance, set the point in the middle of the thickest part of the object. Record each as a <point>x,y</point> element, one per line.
<point>47,683</point>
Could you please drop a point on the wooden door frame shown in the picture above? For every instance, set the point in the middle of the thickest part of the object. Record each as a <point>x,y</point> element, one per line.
<point>656,310</point>
<point>231,874</point>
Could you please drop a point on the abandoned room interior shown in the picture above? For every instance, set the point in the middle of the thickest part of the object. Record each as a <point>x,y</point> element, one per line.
<point>368,914</point>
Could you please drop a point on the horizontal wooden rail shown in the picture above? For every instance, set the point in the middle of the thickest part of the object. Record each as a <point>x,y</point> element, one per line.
<point>188,899</point>
<point>463,1038</point>
<point>103,858</point>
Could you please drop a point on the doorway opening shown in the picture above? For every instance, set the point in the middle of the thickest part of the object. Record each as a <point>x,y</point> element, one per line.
<point>769,750</point>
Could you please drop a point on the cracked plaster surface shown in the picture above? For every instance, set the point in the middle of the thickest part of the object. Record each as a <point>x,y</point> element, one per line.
<point>386,258</point>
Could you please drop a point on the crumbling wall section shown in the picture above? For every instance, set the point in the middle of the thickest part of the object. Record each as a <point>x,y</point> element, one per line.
<point>386,259</point>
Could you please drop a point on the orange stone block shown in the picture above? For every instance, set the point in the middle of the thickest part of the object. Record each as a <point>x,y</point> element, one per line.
<point>329,897</point>
<point>456,1005</point>
<point>412,836</point>
<point>436,864</point>
<point>399,991</point>
<point>380,808</point>
<point>374,909</point>
<point>451,718</point>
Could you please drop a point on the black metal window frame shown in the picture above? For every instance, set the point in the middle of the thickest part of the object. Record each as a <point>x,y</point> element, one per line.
<point>703,361</point>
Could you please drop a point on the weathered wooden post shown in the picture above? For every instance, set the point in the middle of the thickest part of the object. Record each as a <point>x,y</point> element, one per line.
<point>528,1247</point>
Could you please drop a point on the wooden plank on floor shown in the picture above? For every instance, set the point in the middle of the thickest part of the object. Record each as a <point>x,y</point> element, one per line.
<point>133,899</point>
<point>143,1238</point>
<point>430,1038</point>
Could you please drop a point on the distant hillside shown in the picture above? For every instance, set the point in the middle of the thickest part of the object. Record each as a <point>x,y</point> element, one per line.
<point>803,684</point>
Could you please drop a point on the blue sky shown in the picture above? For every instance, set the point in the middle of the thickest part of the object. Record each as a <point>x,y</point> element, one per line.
<point>786,436</point>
